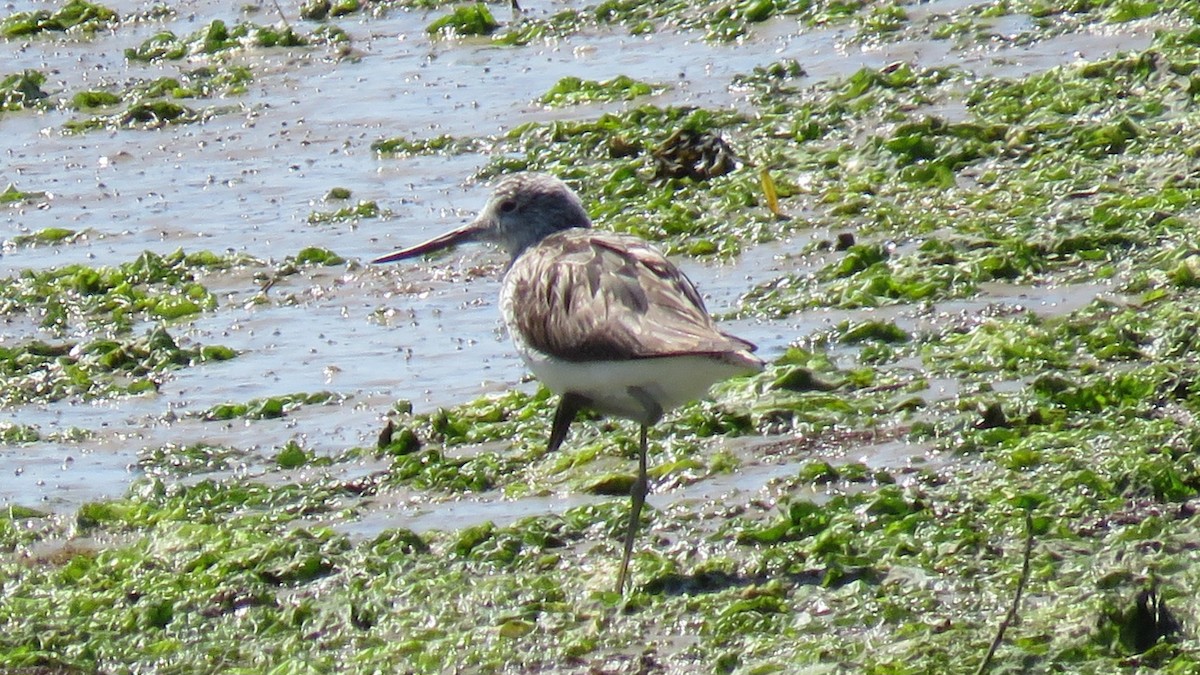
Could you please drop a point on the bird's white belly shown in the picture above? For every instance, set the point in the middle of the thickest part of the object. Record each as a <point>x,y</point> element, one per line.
<point>670,381</point>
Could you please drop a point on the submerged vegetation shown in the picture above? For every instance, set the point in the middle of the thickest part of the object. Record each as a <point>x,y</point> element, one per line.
<point>150,104</point>
<point>925,465</point>
<point>153,286</point>
<point>74,15</point>
<point>443,144</point>
<point>155,103</point>
<point>11,195</point>
<point>214,38</point>
<point>363,209</point>
<point>573,91</point>
<point>41,372</point>
<point>473,19</point>
<point>22,90</point>
<point>110,301</point>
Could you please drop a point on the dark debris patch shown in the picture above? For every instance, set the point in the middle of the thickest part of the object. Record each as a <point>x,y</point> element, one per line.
<point>693,154</point>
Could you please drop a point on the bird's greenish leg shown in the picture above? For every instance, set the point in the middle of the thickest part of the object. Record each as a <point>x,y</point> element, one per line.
<point>637,495</point>
<point>641,486</point>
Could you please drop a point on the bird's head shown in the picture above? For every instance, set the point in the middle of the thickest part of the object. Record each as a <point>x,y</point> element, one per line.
<point>524,209</point>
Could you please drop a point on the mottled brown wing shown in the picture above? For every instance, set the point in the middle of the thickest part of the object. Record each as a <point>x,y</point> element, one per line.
<point>587,295</point>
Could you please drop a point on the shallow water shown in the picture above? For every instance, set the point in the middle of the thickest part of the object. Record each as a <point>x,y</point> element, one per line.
<point>247,180</point>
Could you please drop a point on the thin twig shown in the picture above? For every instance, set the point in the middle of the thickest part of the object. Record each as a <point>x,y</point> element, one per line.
<point>287,26</point>
<point>1016,603</point>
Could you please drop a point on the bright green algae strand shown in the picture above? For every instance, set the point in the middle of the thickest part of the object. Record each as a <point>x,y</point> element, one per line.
<point>1082,420</point>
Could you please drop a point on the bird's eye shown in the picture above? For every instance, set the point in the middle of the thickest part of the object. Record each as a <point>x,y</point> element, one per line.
<point>508,206</point>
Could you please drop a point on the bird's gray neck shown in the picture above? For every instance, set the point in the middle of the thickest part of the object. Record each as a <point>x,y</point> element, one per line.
<point>517,242</point>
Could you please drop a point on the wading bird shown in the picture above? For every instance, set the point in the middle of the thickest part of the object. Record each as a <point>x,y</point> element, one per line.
<point>602,319</point>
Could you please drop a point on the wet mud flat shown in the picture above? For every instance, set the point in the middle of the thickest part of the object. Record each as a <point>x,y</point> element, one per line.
<point>960,234</point>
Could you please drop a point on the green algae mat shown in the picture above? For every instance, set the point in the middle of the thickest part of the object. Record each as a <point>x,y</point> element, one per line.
<point>960,476</point>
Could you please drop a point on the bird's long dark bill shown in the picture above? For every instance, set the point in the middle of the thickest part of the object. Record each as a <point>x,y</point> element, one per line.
<point>467,233</point>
